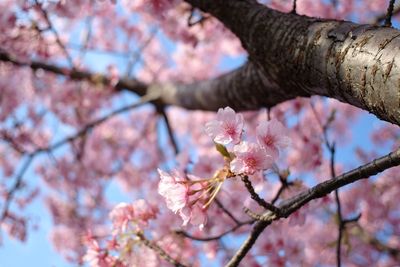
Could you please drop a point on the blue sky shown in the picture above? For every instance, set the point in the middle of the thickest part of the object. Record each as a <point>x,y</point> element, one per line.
<point>38,251</point>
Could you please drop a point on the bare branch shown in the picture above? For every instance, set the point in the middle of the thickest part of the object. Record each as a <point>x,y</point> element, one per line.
<point>16,185</point>
<point>226,211</point>
<point>356,64</point>
<point>382,17</point>
<point>256,197</point>
<point>190,21</point>
<point>389,14</point>
<point>158,250</point>
<point>56,35</point>
<point>332,149</point>
<point>213,238</point>
<point>169,130</point>
<point>294,7</point>
<point>375,242</point>
<point>143,100</point>
<point>248,243</point>
<point>320,190</point>
<point>284,184</point>
<point>131,85</point>
<point>135,58</point>
<point>19,177</point>
<point>339,211</point>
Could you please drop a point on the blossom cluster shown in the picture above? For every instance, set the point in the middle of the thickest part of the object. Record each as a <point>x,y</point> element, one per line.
<point>127,221</point>
<point>39,108</point>
<point>249,157</point>
<point>190,196</point>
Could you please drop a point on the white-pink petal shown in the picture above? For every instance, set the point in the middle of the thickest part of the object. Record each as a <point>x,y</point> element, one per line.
<point>174,192</point>
<point>227,128</point>
<point>250,158</point>
<point>272,136</point>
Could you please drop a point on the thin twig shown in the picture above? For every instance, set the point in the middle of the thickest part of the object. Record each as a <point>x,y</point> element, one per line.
<point>352,220</point>
<point>216,237</point>
<point>202,18</point>
<point>382,17</point>
<point>339,211</point>
<point>279,193</point>
<point>84,47</point>
<point>284,184</point>
<point>252,214</point>
<point>16,185</point>
<point>227,212</point>
<point>158,250</point>
<point>256,197</point>
<point>84,130</point>
<point>389,14</point>
<point>138,54</point>
<point>294,7</point>
<point>143,100</point>
<point>248,243</point>
<point>90,49</point>
<point>320,190</point>
<point>169,130</point>
<point>14,145</point>
<point>376,243</point>
<point>332,149</point>
<point>78,75</point>
<point>56,35</point>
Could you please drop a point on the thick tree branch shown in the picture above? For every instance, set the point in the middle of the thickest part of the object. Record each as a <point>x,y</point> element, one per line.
<point>226,90</point>
<point>290,56</point>
<point>356,64</point>
<point>245,88</point>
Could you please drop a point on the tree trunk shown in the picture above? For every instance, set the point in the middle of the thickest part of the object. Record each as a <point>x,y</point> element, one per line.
<point>289,56</point>
<point>301,56</point>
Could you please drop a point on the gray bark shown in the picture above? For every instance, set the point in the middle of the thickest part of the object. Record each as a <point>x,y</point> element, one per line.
<point>289,56</point>
<point>356,64</point>
<point>246,88</point>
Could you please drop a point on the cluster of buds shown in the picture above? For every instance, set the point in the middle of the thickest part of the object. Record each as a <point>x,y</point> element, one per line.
<point>190,196</point>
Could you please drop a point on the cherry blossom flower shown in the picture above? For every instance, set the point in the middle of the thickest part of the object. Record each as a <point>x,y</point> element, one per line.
<point>121,215</point>
<point>194,214</point>
<point>250,158</point>
<point>227,128</point>
<point>174,192</point>
<point>177,193</point>
<point>272,136</point>
<point>97,257</point>
<point>138,213</point>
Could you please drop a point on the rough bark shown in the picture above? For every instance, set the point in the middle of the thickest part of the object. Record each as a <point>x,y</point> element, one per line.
<point>289,56</point>
<point>245,88</point>
<point>225,90</point>
<point>356,64</point>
